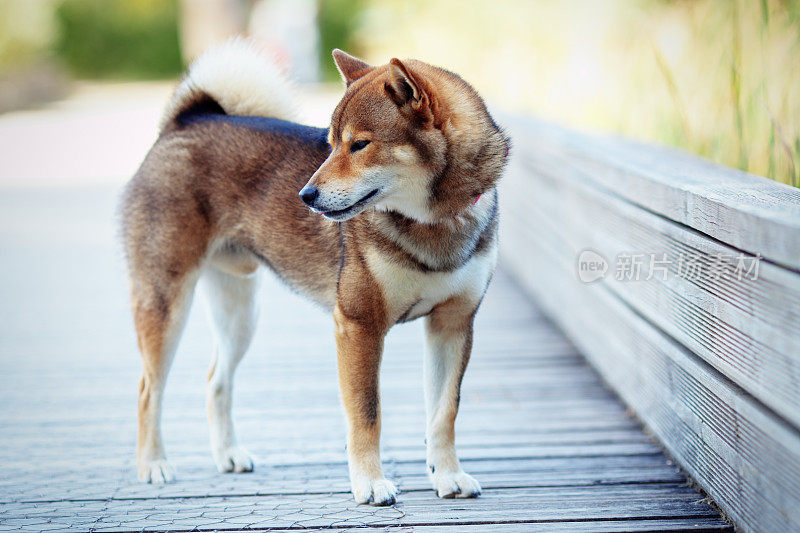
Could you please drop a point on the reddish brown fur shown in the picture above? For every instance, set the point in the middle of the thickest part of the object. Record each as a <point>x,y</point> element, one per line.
<point>219,195</point>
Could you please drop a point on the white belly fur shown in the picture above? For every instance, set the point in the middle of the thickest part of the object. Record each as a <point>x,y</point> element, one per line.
<point>404,287</point>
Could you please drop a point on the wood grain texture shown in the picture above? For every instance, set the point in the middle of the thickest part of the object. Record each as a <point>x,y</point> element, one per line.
<point>749,329</point>
<point>711,365</point>
<point>746,211</point>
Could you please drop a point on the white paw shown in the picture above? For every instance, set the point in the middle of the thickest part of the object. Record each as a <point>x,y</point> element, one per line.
<point>455,485</point>
<point>375,491</point>
<point>156,471</point>
<point>233,459</point>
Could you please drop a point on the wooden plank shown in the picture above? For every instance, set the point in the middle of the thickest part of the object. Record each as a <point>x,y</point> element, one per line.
<point>306,479</point>
<point>746,458</point>
<point>661,525</point>
<point>515,505</point>
<point>749,329</point>
<point>746,211</point>
<point>210,487</point>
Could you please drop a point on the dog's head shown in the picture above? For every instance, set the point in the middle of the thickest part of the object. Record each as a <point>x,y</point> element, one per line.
<point>397,135</point>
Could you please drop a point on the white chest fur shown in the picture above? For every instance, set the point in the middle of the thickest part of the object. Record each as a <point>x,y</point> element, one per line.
<point>414,293</point>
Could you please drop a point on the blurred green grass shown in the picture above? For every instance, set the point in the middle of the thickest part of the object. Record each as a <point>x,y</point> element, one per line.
<point>121,39</point>
<point>338,21</point>
<point>26,29</point>
<point>97,39</point>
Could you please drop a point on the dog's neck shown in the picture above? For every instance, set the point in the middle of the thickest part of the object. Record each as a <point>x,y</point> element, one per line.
<point>440,246</point>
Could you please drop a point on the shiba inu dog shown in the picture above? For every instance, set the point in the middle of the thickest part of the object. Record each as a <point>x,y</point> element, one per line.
<point>406,172</point>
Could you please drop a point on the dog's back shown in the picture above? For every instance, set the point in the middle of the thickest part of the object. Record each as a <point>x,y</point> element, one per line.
<point>223,176</point>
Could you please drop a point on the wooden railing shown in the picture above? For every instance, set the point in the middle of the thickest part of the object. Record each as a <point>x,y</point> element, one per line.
<point>693,314</point>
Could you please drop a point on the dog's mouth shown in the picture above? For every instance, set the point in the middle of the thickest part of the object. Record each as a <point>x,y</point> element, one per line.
<point>348,212</point>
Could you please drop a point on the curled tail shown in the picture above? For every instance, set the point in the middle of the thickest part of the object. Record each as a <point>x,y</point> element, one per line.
<point>235,78</point>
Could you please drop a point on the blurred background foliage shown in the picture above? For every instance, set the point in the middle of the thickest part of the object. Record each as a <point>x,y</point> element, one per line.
<point>720,78</point>
<point>119,38</point>
<point>26,32</point>
<point>338,22</point>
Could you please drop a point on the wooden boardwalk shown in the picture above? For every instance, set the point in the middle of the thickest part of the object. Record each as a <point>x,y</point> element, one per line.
<point>551,445</point>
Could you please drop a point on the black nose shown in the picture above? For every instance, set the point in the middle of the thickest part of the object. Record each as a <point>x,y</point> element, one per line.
<point>309,195</point>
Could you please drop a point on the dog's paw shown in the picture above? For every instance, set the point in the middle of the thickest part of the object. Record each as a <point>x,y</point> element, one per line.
<point>233,459</point>
<point>375,491</point>
<point>156,471</point>
<point>455,485</point>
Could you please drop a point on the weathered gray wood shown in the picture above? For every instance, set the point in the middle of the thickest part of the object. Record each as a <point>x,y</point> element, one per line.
<point>306,479</point>
<point>546,504</point>
<point>749,329</point>
<point>744,210</point>
<point>748,460</point>
<point>661,525</point>
<point>649,339</point>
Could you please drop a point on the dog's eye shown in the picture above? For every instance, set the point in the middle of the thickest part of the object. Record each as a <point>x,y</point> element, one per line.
<point>358,145</point>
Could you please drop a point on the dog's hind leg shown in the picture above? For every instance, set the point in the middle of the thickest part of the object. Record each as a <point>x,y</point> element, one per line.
<point>159,313</point>
<point>233,311</point>
<point>448,345</point>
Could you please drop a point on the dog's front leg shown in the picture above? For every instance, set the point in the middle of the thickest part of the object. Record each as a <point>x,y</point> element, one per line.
<point>449,343</point>
<point>359,348</point>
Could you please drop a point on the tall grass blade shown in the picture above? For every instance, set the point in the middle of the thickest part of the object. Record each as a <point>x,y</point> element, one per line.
<point>736,83</point>
<point>674,94</point>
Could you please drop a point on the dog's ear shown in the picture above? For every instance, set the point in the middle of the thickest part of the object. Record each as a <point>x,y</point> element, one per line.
<point>406,89</point>
<point>351,68</point>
